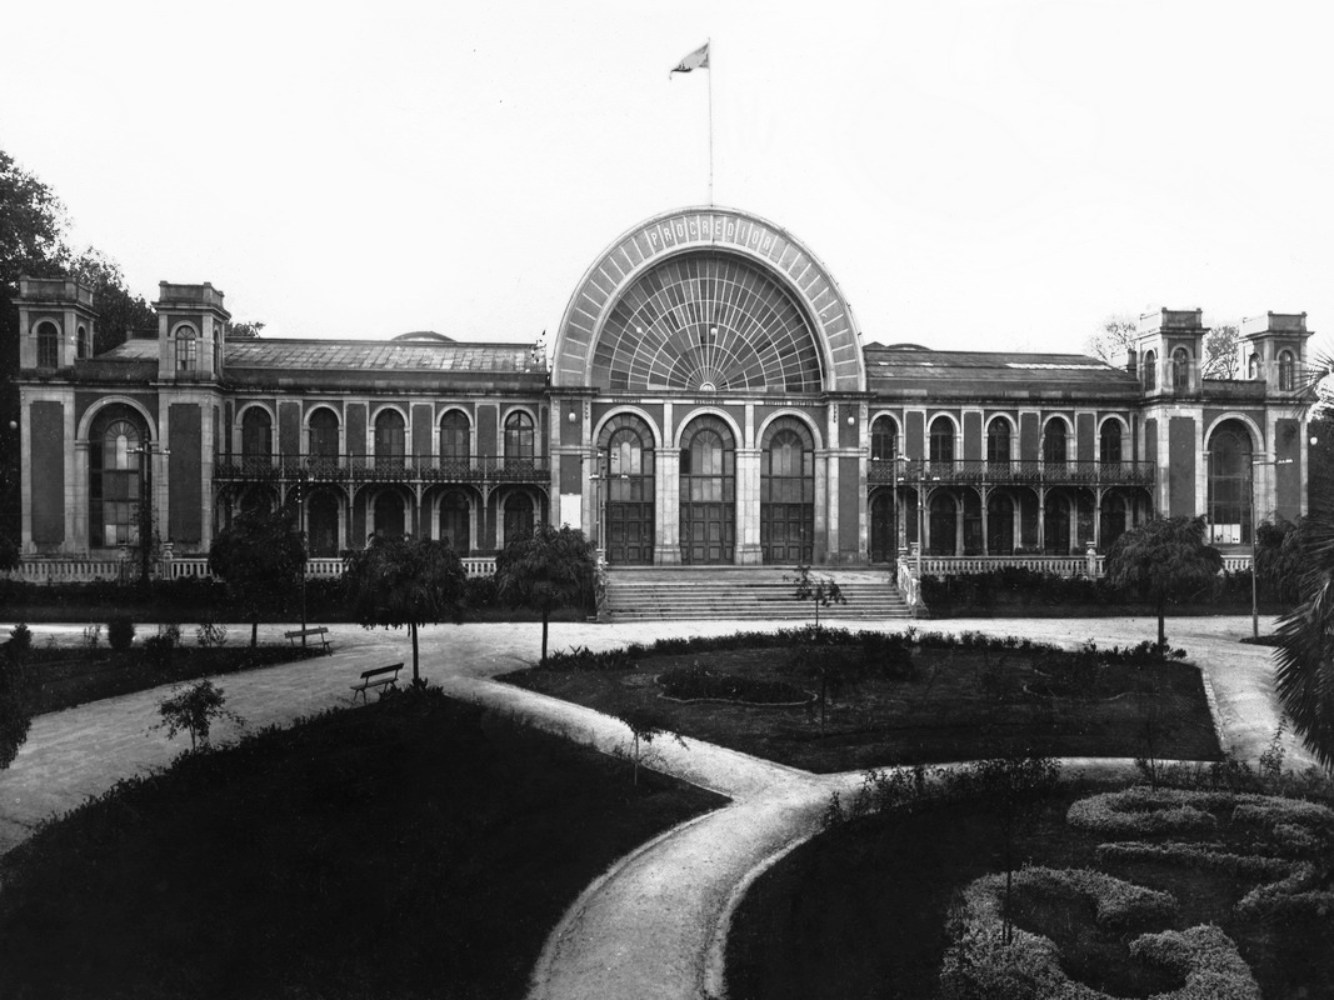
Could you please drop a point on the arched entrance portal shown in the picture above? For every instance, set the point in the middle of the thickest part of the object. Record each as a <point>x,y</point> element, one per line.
<point>787,493</point>
<point>708,493</point>
<point>883,541</point>
<point>626,444</point>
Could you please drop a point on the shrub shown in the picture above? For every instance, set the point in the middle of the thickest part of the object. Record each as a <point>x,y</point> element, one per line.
<point>480,592</point>
<point>92,637</point>
<point>120,633</point>
<point>20,639</point>
<point>210,634</point>
<point>193,710</point>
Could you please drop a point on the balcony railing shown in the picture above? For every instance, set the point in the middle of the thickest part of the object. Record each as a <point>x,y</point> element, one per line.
<point>382,468</point>
<point>1017,471</point>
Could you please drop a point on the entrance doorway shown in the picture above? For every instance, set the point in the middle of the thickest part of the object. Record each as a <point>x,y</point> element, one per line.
<point>883,547</point>
<point>708,493</point>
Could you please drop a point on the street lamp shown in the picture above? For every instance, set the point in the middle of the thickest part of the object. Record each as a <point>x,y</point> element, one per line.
<point>1255,587</point>
<point>145,453</point>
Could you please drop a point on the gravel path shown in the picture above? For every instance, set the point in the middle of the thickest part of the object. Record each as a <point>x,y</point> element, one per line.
<point>652,927</point>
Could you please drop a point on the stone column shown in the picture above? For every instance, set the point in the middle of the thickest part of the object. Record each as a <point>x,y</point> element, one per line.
<point>748,552</point>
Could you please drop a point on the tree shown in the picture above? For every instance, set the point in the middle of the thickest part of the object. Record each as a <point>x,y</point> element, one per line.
<point>821,591</point>
<point>1114,341</point>
<point>645,726</point>
<point>1220,352</point>
<point>261,557</point>
<point>549,569</point>
<point>1320,465</point>
<point>120,315</point>
<point>1280,558</point>
<point>1304,658</point>
<point>400,580</point>
<point>193,710</point>
<point>245,330</point>
<point>32,230</point>
<point>15,717</point>
<point>1009,789</point>
<point>1164,559</point>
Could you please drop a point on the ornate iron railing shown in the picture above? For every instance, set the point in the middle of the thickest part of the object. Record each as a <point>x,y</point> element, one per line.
<point>382,468</point>
<point>1027,472</point>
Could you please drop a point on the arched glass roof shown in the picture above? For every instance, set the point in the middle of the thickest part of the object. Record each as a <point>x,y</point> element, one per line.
<point>706,322</point>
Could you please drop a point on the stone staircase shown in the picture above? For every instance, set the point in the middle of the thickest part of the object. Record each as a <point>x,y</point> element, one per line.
<point>748,593</point>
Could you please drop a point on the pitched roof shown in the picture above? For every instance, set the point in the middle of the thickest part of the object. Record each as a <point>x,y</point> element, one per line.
<point>948,373</point>
<point>385,356</point>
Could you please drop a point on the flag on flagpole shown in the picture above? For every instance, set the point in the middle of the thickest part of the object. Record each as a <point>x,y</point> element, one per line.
<point>699,59</point>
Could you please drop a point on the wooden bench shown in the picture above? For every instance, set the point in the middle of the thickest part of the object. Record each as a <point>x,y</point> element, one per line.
<point>380,677</point>
<point>320,633</point>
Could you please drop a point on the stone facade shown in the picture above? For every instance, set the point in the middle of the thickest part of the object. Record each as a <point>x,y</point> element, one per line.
<point>710,400</point>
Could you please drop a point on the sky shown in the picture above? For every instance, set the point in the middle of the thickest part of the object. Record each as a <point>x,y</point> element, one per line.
<point>976,174</point>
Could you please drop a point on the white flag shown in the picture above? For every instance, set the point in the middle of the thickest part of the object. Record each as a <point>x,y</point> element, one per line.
<point>699,59</point>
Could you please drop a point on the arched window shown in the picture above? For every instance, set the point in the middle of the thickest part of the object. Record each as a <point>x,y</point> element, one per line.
<point>1055,440</point>
<point>998,442</point>
<point>1113,520</point>
<point>626,465</point>
<point>884,439</point>
<point>1180,370</point>
<point>389,516</point>
<point>390,439</point>
<point>323,445</point>
<point>322,524</point>
<point>1000,524</point>
<point>82,348</point>
<point>520,440</point>
<point>1150,371</point>
<point>256,440</point>
<point>1253,366</point>
<point>942,442</point>
<point>1109,450</point>
<point>1230,471</point>
<point>118,477</point>
<point>454,438</point>
<point>48,346</point>
<point>518,516</point>
<point>708,484</point>
<point>1287,371</point>
<point>944,524</point>
<point>456,522</point>
<point>787,493</point>
<point>1056,525</point>
<point>187,349</point>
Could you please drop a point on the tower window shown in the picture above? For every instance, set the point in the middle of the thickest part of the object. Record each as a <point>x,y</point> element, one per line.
<point>187,349</point>
<point>48,346</point>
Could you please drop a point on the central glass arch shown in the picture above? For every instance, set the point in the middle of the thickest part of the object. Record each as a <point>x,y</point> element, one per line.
<point>707,322</point>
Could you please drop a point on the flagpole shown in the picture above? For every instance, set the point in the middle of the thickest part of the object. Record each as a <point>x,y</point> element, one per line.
<point>709,44</point>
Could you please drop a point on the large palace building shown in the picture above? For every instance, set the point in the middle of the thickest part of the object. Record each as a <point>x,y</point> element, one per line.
<point>710,400</point>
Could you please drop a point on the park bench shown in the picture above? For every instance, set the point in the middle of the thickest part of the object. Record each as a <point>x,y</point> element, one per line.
<point>379,677</point>
<point>320,633</point>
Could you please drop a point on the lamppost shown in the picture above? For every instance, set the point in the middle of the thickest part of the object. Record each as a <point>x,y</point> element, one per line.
<point>145,453</point>
<point>1255,587</point>
<point>303,473</point>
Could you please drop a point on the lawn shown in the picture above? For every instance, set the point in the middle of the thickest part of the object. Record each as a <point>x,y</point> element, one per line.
<point>415,847</point>
<point>870,908</point>
<point>958,704</point>
<point>61,677</point>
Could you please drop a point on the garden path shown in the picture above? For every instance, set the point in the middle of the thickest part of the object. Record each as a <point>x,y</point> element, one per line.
<point>652,926</point>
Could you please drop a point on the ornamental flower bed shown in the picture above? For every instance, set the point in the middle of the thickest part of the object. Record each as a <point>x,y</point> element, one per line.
<point>698,683</point>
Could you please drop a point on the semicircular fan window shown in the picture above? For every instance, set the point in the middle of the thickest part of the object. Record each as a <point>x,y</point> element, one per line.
<point>706,323</point>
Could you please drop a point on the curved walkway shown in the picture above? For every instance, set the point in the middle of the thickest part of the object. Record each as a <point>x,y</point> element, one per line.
<point>652,926</point>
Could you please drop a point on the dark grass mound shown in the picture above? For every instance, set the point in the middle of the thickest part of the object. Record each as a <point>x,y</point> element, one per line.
<point>938,698</point>
<point>413,848</point>
<point>63,677</point>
